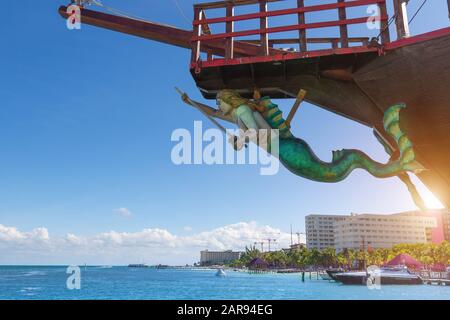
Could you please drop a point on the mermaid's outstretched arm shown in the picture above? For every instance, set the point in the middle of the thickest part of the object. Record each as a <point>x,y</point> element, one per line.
<point>215,113</point>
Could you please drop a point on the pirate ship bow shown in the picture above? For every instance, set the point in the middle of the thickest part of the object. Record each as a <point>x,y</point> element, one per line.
<point>357,77</point>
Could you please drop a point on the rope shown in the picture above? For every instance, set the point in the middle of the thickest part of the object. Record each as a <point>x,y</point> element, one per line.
<point>417,12</point>
<point>180,9</point>
<point>112,10</point>
<point>392,19</point>
<point>125,14</point>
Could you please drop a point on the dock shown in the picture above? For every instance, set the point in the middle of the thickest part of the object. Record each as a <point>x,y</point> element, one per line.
<point>438,282</point>
<point>435,278</point>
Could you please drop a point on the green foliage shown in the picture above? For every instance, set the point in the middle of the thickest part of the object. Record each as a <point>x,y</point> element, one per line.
<point>428,254</point>
<point>249,254</point>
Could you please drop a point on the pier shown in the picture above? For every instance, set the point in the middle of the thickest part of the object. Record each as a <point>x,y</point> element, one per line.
<point>439,282</point>
<point>435,278</point>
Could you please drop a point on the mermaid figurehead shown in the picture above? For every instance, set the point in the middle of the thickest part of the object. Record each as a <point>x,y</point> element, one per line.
<point>248,115</point>
<point>298,157</point>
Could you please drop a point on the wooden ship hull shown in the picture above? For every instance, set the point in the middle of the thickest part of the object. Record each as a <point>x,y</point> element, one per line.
<point>361,87</point>
<point>357,82</point>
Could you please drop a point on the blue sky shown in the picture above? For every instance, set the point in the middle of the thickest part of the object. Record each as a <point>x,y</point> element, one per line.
<point>86,119</point>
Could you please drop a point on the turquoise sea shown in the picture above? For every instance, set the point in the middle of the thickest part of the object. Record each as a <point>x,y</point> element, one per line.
<point>114,283</point>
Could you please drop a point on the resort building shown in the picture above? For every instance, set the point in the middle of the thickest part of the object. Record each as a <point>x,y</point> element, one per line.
<point>376,230</point>
<point>208,258</point>
<point>435,235</point>
<point>297,247</point>
<point>382,231</point>
<point>320,231</point>
<point>446,225</point>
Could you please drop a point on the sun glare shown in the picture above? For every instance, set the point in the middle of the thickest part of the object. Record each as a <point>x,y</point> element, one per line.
<point>431,201</point>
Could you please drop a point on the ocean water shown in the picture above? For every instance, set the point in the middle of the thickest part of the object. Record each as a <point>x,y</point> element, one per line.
<point>30,283</point>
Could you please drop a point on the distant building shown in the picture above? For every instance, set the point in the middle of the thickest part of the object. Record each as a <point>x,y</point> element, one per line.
<point>446,225</point>
<point>218,257</point>
<point>382,231</point>
<point>320,231</point>
<point>376,230</point>
<point>435,235</point>
<point>297,246</point>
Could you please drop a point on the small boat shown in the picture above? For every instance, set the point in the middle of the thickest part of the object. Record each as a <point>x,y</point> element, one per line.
<point>221,273</point>
<point>388,276</point>
<point>332,272</point>
<point>325,276</point>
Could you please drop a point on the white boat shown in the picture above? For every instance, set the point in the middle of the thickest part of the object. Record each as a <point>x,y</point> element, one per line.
<point>389,276</point>
<point>221,273</point>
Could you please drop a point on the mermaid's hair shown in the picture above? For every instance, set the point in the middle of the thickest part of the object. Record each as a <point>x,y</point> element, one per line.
<point>234,99</point>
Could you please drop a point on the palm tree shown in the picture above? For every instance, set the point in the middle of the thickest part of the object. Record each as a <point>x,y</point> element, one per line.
<point>427,253</point>
<point>249,254</point>
<point>328,257</point>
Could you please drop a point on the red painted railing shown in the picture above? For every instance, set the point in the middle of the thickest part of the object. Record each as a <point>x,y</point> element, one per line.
<point>267,52</point>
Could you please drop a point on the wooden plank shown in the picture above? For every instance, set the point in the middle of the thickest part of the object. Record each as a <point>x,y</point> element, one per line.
<point>335,43</point>
<point>264,39</point>
<point>229,43</point>
<point>283,12</point>
<point>343,28</point>
<point>285,56</point>
<point>385,34</point>
<point>196,45</point>
<point>161,33</point>
<point>224,4</point>
<point>448,3</point>
<point>205,26</point>
<point>400,19</point>
<point>300,97</point>
<point>363,40</point>
<point>315,25</point>
<point>302,32</point>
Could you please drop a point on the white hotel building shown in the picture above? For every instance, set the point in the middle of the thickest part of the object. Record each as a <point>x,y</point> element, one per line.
<point>218,257</point>
<point>320,230</point>
<point>378,231</point>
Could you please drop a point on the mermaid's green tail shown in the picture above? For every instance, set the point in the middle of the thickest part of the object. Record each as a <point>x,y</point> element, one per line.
<point>391,124</point>
<point>297,156</point>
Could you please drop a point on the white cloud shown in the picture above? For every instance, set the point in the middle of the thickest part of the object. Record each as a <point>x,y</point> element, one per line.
<point>187,228</point>
<point>10,234</point>
<point>124,212</point>
<point>152,245</point>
